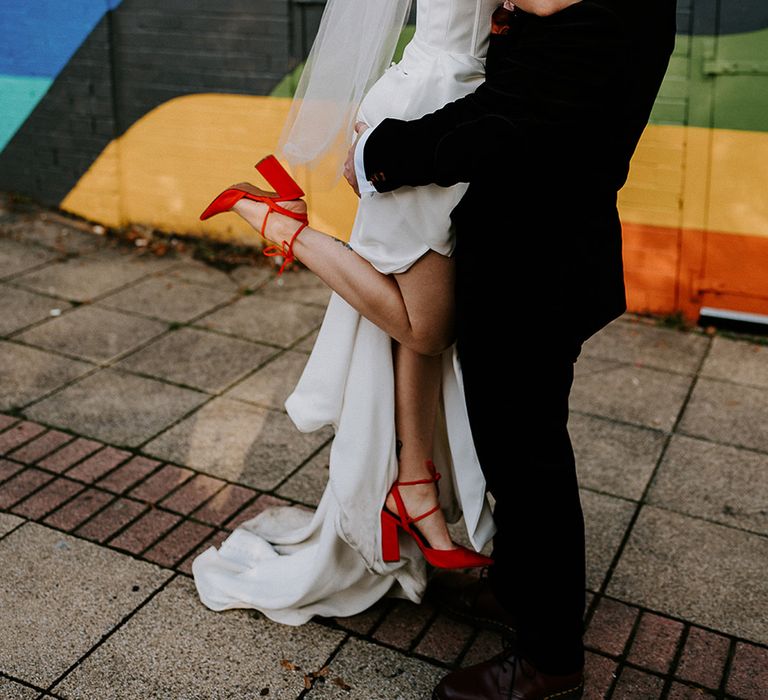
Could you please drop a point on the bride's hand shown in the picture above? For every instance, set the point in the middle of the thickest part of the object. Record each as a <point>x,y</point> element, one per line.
<point>349,165</point>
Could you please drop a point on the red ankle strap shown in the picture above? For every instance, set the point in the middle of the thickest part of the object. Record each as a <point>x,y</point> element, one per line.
<point>285,249</point>
<point>432,470</point>
<point>431,480</point>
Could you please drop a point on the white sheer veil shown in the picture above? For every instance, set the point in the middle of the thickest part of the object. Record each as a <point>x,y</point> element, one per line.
<point>354,46</point>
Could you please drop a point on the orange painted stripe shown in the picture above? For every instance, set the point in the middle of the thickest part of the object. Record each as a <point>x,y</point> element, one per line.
<point>669,270</point>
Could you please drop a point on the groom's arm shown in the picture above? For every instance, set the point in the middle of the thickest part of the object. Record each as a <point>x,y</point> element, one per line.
<point>547,83</point>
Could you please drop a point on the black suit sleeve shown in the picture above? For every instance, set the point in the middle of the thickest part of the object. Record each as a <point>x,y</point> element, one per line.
<point>547,81</point>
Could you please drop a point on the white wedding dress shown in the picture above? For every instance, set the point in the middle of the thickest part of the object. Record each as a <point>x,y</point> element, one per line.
<point>291,563</point>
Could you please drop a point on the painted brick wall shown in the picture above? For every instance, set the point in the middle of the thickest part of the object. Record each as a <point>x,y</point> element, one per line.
<point>138,56</point>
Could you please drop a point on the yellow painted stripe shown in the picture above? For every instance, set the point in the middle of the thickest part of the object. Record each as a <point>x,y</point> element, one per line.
<point>172,162</point>
<point>168,166</point>
<point>695,178</point>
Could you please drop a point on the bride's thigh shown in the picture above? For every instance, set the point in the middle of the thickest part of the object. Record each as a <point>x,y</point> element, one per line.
<point>427,288</point>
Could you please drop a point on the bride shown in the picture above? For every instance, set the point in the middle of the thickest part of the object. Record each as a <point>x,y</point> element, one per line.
<point>384,372</point>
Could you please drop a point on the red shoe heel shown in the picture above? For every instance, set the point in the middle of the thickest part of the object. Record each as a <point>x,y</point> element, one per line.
<point>286,190</point>
<point>390,544</point>
<point>277,176</point>
<point>457,558</point>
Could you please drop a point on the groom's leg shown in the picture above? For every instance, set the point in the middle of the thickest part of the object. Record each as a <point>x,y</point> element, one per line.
<point>518,416</point>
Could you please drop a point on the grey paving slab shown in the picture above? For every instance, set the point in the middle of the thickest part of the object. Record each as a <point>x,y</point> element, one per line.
<point>22,308</point>
<point>605,521</point>
<point>8,522</point>
<point>198,358</point>
<point>634,394</point>
<point>264,319</point>
<point>15,257</point>
<point>307,343</point>
<point>273,383</point>
<point>642,344</point>
<point>707,573</point>
<point>737,361</point>
<point>362,670</point>
<point>200,273</point>
<point>167,298</point>
<point>88,276</point>
<point>175,647</point>
<point>59,596</point>
<point>727,412</point>
<point>45,230</point>
<point>93,333</point>
<point>307,484</point>
<point>726,484</point>
<point>28,373</point>
<point>252,276</point>
<point>613,457</point>
<point>303,286</point>
<point>10,690</point>
<point>116,407</point>
<point>239,442</point>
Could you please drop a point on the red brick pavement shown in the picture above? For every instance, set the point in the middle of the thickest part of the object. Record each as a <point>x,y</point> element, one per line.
<point>128,474</point>
<point>7,421</point>
<point>749,672</point>
<point>69,454</point>
<point>17,435</point>
<point>8,469</point>
<point>169,514</point>
<point>224,504</point>
<point>74,512</point>
<point>108,521</point>
<point>46,499</point>
<point>610,627</point>
<point>704,657</point>
<point>655,642</point>
<point>98,464</point>
<point>40,446</point>
<point>161,483</point>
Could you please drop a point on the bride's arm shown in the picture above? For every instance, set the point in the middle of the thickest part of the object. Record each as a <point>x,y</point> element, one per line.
<point>549,84</point>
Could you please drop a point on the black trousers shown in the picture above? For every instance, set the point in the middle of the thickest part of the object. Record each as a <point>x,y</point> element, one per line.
<point>517,401</point>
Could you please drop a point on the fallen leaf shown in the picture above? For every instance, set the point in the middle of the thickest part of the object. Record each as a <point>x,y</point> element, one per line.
<point>340,682</point>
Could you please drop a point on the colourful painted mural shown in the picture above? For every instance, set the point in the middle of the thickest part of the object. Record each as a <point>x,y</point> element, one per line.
<point>135,111</point>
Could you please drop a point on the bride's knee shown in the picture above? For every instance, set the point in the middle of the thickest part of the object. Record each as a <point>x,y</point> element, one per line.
<point>432,344</point>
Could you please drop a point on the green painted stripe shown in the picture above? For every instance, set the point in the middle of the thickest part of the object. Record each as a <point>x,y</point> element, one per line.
<point>691,94</point>
<point>717,82</point>
<point>287,86</point>
<point>18,96</point>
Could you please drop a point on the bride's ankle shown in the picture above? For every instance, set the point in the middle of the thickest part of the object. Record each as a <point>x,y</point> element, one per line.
<point>278,226</point>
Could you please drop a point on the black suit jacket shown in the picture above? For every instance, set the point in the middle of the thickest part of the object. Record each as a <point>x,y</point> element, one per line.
<point>545,143</point>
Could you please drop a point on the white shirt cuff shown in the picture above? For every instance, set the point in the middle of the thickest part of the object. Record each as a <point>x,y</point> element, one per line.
<point>362,184</point>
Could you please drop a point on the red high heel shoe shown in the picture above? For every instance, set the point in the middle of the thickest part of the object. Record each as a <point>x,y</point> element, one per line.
<point>457,558</point>
<point>286,190</point>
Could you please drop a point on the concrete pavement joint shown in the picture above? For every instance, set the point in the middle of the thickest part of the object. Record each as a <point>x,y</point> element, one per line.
<point>636,514</point>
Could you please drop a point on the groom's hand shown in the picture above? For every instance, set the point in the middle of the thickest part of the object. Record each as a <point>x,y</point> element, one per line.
<point>349,165</point>
<point>543,8</point>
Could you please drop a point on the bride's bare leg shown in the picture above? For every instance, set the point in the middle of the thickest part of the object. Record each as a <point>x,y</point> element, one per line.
<point>415,308</point>
<point>417,395</point>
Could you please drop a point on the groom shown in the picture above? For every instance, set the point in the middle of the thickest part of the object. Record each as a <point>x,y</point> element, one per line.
<point>545,144</point>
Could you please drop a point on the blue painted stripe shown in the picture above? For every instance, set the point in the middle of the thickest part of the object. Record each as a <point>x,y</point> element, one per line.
<point>40,36</point>
<point>18,97</point>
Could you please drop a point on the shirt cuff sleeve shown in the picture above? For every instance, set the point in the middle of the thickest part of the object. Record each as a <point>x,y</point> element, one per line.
<point>362,184</point>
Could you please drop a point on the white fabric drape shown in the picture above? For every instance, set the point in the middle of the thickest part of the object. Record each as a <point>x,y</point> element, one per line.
<point>354,45</point>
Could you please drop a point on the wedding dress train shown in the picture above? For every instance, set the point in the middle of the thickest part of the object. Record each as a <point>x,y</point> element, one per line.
<point>291,563</point>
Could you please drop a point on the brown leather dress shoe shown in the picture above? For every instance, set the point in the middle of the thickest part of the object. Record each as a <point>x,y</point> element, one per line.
<point>470,599</point>
<point>509,677</point>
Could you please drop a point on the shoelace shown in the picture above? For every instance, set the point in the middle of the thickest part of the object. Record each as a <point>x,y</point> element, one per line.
<point>511,661</point>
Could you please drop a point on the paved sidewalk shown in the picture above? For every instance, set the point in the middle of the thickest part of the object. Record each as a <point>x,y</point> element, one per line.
<point>141,420</point>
